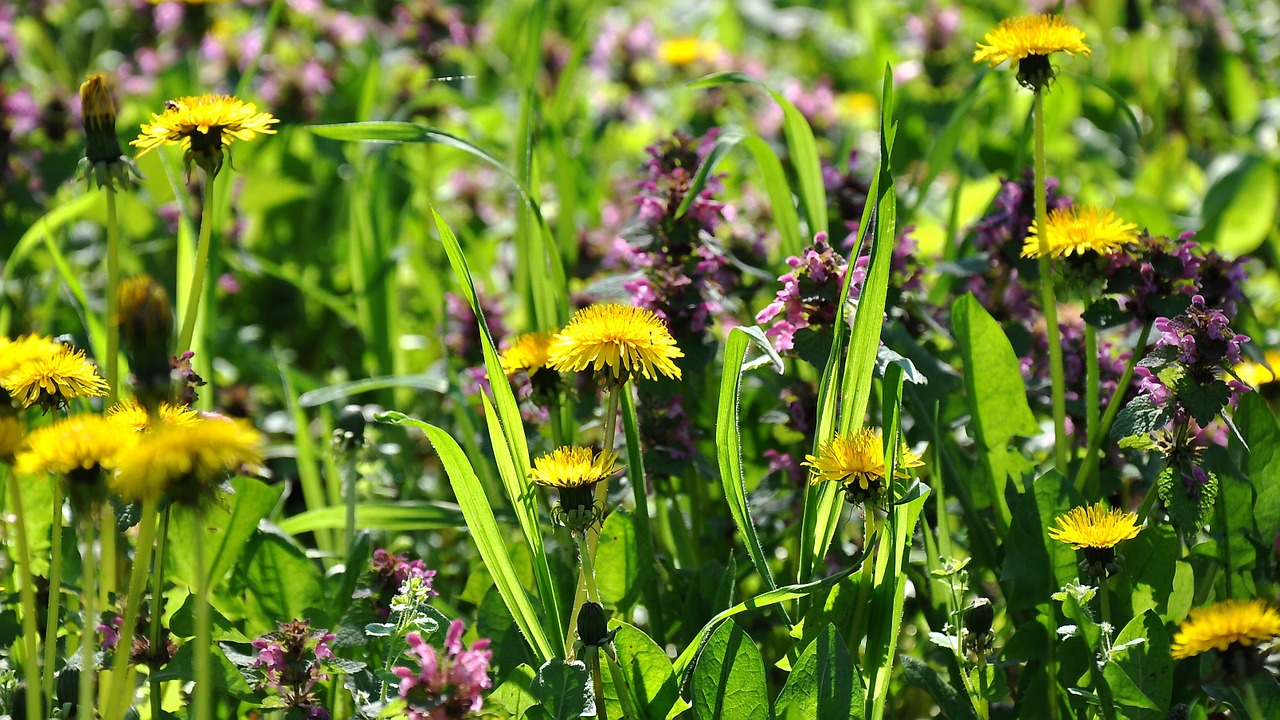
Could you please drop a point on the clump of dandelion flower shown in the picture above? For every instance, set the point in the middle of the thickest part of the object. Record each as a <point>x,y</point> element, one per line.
<point>618,342</point>
<point>1079,230</point>
<point>204,125</point>
<point>857,463</point>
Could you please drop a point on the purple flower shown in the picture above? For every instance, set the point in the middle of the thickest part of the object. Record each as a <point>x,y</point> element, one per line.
<point>446,684</point>
<point>809,296</point>
<point>291,662</point>
<point>390,571</point>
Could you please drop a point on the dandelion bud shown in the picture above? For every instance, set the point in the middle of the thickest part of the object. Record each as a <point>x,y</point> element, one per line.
<point>103,160</point>
<point>146,329</point>
<point>349,434</point>
<point>593,627</point>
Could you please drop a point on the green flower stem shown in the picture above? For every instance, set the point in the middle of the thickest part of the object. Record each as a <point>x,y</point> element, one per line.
<point>351,476</point>
<point>203,680</point>
<point>588,568</point>
<point>113,312</point>
<point>89,621</point>
<point>622,687</point>
<point>197,274</point>
<point>55,595</point>
<point>120,696</point>
<point>1048,297</point>
<point>1091,382</point>
<point>1250,695</point>
<point>157,610</point>
<point>611,418</point>
<point>1088,469</point>
<point>866,577</point>
<point>1104,599</point>
<point>30,635</point>
<point>984,708</point>
<point>107,562</point>
<point>597,684</point>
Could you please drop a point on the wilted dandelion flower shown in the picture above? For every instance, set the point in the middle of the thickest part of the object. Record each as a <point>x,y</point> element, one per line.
<point>129,414</point>
<point>203,125</point>
<point>1080,229</point>
<point>575,471</point>
<point>12,437</point>
<point>76,448</point>
<point>857,462</point>
<point>1221,625</point>
<point>185,461</point>
<point>1096,530</point>
<point>51,380</point>
<point>527,353</point>
<point>618,342</point>
<point>1029,41</point>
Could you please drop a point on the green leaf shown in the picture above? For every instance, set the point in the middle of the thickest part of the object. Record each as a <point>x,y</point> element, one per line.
<point>1204,402</point>
<point>728,679</point>
<point>432,380</point>
<point>1240,207</point>
<point>564,689</point>
<point>1261,464</point>
<point>485,532</point>
<point>648,674</point>
<point>1150,561</point>
<point>284,583</point>
<point>824,684</point>
<point>403,516</point>
<point>1188,513</point>
<point>953,703</point>
<point>992,374</point>
<point>1141,673</point>
<point>224,675</point>
<point>618,561</point>
<point>515,696</point>
<point>227,530</point>
<point>1036,566</point>
<point>1139,417</point>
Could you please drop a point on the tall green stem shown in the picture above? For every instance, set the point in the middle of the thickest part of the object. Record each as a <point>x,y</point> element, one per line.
<point>27,594</point>
<point>89,621</point>
<point>113,312</point>
<point>55,595</point>
<point>157,610</point>
<point>1091,390</point>
<point>1048,297</point>
<point>118,702</point>
<point>203,682</point>
<point>197,273</point>
<point>866,577</point>
<point>588,569</point>
<point>1087,474</point>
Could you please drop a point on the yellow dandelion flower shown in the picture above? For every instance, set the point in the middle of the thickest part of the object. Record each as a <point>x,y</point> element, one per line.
<point>1080,229</point>
<point>203,125</point>
<point>527,353</point>
<point>1099,526</point>
<point>1256,374</point>
<point>133,416</point>
<point>687,50</point>
<point>51,380</point>
<point>1219,626</point>
<point>857,461</point>
<point>185,461</point>
<point>627,340</point>
<point>1034,35</point>
<point>572,467</point>
<point>12,437</point>
<point>81,442</point>
<point>15,353</point>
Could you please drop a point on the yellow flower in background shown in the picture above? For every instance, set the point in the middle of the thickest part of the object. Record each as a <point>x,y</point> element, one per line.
<point>616,340</point>
<point>1079,230</point>
<point>81,442</point>
<point>857,462</point>
<point>1099,526</point>
<point>573,467</point>
<point>12,437</point>
<point>51,380</point>
<point>15,353</point>
<point>1034,35</point>
<point>97,107</point>
<point>1219,626</point>
<point>203,125</point>
<point>687,50</point>
<point>1256,374</point>
<point>185,461</point>
<point>527,353</point>
<point>133,416</point>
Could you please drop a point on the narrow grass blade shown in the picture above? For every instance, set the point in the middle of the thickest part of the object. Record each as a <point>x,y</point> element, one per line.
<point>62,214</point>
<point>644,532</point>
<point>402,516</point>
<point>484,529</point>
<point>307,455</point>
<point>92,320</point>
<point>432,381</point>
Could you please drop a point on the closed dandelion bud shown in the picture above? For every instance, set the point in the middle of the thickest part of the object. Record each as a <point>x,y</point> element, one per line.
<point>349,434</point>
<point>146,331</point>
<point>593,627</point>
<point>103,160</point>
<point>977,627</point>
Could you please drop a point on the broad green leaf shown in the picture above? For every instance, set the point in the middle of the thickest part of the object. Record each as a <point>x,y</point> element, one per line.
<point>1141,673</point>
<point>405,516</point>
<point>1240,208</point>
<point>226,677</point>
<point>1150,560</point>
<point>824,684</point>
<point>647,672</point>
<point>1261,464</point>
<point>282,582</point>
<point>227,530</point>
<point>484,530</point>
<point>728,679</point>
<point>433,381</point>
<point>993,377</point>
<point>564,689</point>
<point>618,560</point>
<point>954,703</point>
<point>515,696</point>
<point>1036,566</point>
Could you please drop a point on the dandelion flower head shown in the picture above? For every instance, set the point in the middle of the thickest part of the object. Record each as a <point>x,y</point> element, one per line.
<point>527,353</point>
<point>133,416</point>
<point>18,352</point>
<point>1080,229</point>
<point>51,380</point>
<point>1015,39</point>
<point>1221,625</point>
<point>203,125</point>
<point>687,50</point>
<point>617,340</point>
<point>185,461</point>
<point>12,437</point>
<point>858,461</point>
<point>85,442</point>
<point>1099,526</point>
<point>573,467</point>
<point>1256,374</point>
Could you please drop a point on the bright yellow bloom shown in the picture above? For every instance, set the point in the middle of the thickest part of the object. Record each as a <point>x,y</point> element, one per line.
<point>130,414</point>
<point>858,461</point>
<point>1257,374</point>
<point>15,353</point>
<point>185,461</point>
<point>1018,38</point>
<point>1080,229</point>
<point>626,340</point>
<point>572,467</point>
<point>528,353</point>
<point>11,437</point>
<point>684,51</point>
<point>80,442</point>
<point>203,125</point>
<point>51,380</point>
<point>1099,526</point>
<point>1219,626</point>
